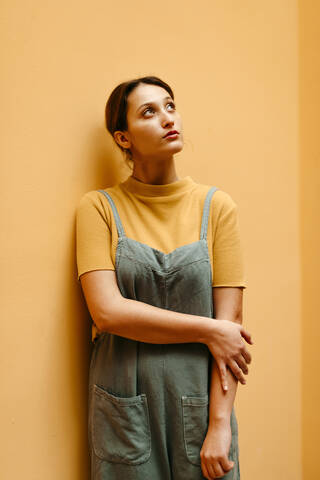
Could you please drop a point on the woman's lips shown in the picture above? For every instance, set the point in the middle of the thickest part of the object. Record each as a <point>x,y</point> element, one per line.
<point>172,135</point>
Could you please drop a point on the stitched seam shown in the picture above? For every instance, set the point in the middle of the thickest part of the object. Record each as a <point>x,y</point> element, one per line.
<point>142,459</point>
<point>176,269</point>
<point>123,401</point>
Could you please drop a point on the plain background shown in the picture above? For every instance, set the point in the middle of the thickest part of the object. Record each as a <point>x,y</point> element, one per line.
<point>246,79</point>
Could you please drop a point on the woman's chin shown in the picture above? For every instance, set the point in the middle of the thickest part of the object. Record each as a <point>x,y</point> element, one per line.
<point>175,148</point>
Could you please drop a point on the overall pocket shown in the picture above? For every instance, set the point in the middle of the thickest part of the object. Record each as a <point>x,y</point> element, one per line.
<point>120,427</point>
<point>195,412</point>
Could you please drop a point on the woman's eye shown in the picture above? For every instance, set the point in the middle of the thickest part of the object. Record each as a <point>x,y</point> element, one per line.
<point>150,108</point>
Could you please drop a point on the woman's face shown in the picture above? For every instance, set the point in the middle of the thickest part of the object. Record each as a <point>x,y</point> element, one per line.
<point>148,124</point>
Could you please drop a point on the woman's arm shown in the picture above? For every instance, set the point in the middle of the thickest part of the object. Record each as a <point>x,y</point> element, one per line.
<point>140,321</point>
<point>215,449</point>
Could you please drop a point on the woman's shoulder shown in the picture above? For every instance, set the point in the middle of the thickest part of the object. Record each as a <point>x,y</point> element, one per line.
<point>95,198</point>
<point>94,206</point>
<point>221,199</point>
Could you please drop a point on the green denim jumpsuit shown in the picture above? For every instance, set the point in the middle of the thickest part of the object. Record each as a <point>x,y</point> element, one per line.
<point>149,403</point>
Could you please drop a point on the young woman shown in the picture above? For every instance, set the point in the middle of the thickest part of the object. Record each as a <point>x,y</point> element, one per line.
<point>160,264</point>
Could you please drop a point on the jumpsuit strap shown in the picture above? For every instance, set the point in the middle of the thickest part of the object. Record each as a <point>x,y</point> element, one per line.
<point>205,213</point>
<point>121,232</point>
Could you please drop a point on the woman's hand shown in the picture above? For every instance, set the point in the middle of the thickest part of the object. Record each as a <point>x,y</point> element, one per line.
<point>215,450</point>
<point>228,348</point>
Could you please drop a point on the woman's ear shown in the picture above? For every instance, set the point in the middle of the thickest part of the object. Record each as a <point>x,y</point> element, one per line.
<point>122,139</point>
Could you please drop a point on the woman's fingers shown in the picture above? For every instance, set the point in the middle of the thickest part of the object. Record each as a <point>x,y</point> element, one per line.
<point>237,372</point>
<point>217,470</point>
<point>223,374</point>
<point>212,470</point>
<point>226,464</point>
<point>246,355</point>
<point>205,471</point>
<point>240,360</point>
<point>246,335</point>
<point>237,366</point>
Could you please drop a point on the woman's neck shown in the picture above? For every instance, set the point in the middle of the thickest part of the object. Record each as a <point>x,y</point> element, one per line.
<point>159,174</point>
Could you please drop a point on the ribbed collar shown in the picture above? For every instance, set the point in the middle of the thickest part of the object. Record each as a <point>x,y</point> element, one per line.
<point>151,190</point>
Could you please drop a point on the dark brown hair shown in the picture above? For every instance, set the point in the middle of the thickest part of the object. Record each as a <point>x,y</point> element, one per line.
<point>117,106</point>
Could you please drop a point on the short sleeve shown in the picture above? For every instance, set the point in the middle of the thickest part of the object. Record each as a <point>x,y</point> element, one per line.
<point>93,235</point>
<point>227,254</point>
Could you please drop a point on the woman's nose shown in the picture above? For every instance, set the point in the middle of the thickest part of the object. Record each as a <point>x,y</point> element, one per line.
<point>167,119</point>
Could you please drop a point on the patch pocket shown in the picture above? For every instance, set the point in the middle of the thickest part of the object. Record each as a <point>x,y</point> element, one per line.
<point>195,411</point>
<point>120,427</point>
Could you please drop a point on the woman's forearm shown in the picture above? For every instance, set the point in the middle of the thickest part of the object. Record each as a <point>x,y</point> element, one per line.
<point>140,321</point>
<point>221,402</point>
<point>146,323</point>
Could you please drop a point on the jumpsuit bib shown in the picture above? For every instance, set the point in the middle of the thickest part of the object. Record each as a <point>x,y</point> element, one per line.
<point>149,403</point>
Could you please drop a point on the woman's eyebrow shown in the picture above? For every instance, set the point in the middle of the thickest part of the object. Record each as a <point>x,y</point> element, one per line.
<point>152,103</point>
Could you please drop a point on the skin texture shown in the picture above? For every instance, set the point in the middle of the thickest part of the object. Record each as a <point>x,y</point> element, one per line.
<point>215,448</point>
<point>152,154</point>
<point>154,163</point>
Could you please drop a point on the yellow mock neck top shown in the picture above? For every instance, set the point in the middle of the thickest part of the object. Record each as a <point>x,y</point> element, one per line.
<point>165,217</point>
<point>163,190</point>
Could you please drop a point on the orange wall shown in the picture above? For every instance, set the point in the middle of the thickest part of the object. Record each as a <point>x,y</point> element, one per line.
<point>249,129</point>
<point>309,81</point>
